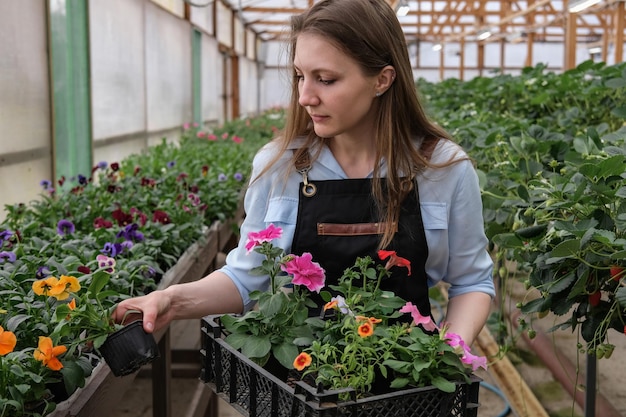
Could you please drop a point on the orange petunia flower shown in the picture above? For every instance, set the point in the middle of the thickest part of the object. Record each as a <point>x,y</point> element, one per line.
<point>366,329</point>
<point>48,354</point>
<point>331,304</point>
<point>7,341</point>
<point>302,361</point>
<point>374,320</point>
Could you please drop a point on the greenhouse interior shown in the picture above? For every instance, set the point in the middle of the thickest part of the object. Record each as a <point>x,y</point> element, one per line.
<point>129,131</point>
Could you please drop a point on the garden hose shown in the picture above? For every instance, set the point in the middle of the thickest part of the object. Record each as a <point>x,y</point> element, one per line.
<point>499,393</point>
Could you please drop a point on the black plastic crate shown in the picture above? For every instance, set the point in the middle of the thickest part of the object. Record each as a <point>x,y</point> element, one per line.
<point>255,392</point>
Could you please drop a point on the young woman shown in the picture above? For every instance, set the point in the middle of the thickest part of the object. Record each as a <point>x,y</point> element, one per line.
<point>359,167</point>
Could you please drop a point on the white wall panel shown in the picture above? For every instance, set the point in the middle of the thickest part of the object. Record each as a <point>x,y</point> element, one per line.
<point>251,42</point>
<point>240,37</point>
<point>202,17</point>
<point>277,88</point>
<point>276,81</point>
<point>176,7</point>
<point>274,53</point>
<point>24,101</point>
<point>24,86</point>
<point>224,24</point>
<point>20,183</point>
<point>248,88</point>
<point>212,76</point>
<point>118,151</point>
<point>117,55</point>
<point>168,70</point>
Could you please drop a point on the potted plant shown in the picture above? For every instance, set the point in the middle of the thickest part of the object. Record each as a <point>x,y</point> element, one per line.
<point>86,315</point>
<point>357,349</point>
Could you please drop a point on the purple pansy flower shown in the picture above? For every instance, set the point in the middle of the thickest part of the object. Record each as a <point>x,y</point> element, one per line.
<point>65,227</point>
<point>7,256</point>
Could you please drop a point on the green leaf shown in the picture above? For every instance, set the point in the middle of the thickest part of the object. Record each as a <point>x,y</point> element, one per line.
<point>73,376</point>
<point>562,283</point>
<point>15,321</point>
<point>443,384</point>
<point>399,366</point>
<point>615,83</point>
<point>274,305</point>
<point>286,353</point>
<point>256,346</point>
<point>619,112</point>
<point>399,383</point>
<point>566,249</point>
<point>508,240</point>
<point>532,231</point>
<point>237,340</point>
<point>98,281</point>
<point>535,306</point>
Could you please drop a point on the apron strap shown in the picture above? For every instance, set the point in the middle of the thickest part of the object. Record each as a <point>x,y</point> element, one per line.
<point>303,166</point>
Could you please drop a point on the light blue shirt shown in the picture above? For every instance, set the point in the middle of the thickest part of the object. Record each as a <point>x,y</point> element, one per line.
<point>450,203</point>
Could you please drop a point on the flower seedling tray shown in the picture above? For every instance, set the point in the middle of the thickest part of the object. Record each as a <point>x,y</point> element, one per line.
<point>256,392</point>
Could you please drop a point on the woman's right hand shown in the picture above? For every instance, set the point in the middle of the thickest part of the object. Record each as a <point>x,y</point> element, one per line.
<point>154,309</point>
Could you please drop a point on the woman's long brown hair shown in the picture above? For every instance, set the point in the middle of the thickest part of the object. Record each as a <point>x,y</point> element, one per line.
<point>368,31</point>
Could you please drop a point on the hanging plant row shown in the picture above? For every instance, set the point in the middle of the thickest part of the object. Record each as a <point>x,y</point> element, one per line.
<point>69,257</point>
<point>551,154</point>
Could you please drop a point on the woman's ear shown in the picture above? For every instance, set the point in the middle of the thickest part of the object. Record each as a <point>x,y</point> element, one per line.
<point>384,80</point>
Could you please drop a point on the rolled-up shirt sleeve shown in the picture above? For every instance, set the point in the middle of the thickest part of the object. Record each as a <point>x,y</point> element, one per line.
<point>267,200</point>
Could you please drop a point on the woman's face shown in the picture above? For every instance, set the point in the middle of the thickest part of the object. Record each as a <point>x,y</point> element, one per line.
<point>333,89</point>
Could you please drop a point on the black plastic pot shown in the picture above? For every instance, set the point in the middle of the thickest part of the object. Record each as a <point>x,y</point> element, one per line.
<point>128,349</point>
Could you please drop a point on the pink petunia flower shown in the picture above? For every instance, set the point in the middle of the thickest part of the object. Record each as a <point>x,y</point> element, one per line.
<point>305,272</point>
<point>258,238</point>
<point>467,357</point>
<point>426,321</point>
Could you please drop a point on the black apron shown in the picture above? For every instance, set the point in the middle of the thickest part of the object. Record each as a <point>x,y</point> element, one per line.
<point>339,223</point>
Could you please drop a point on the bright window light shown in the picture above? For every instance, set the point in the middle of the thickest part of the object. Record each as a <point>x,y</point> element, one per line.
<point>437,47</point>
<point>575,6</point>
<point>403,8</point>
<point>483,34</point>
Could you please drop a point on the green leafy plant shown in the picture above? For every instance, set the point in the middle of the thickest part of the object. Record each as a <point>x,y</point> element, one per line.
<point>549,149</point>
<point>281,315</point>
<point>360,342</point>
<point>139,215</point>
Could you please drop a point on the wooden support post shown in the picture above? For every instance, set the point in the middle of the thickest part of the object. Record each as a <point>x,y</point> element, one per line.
<point>620,22</point>
<point>481,58</point>
<point>162,379</point>
<point>570,41</point>
<point>530,38</point>
<point>462,59</point>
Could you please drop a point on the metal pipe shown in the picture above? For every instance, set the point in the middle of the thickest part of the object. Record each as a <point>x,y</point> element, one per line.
<point>564,371</point>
